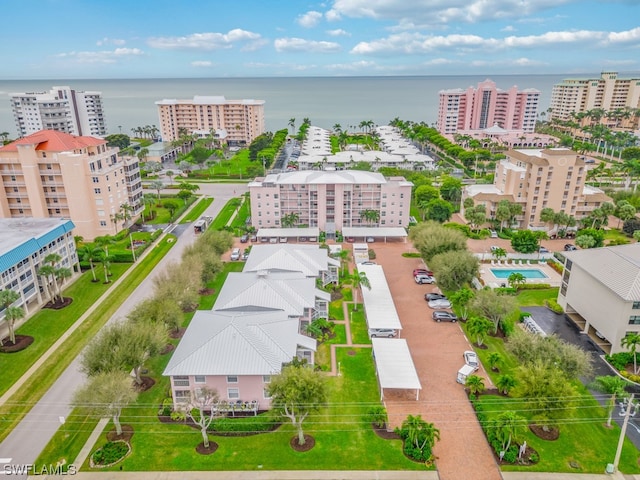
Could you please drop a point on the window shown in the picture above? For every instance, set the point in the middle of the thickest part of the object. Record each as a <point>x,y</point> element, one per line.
<point>634,320</point>
<point>95,179</point>
<point>267,378</point>
<point>233,393</point>
<point>103,223</point>
<point>200,379</point>
<point>96,191</point>
<point>636,306</point>
<point>181,381</point>
<point>182,395</point>
<point>232,379</point>
<point>265,393</point>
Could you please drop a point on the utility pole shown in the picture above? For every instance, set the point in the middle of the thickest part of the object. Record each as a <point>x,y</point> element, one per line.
<point>623,432</point>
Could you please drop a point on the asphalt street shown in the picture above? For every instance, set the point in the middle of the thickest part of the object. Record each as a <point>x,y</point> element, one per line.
<point>28,439</point>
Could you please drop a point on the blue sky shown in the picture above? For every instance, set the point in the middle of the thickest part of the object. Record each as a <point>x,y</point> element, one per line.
<point>256,38</point>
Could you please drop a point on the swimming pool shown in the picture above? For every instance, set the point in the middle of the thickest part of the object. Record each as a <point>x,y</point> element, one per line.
<point>526,272</point>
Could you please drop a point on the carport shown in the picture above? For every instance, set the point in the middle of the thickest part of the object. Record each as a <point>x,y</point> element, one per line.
<point>373,232</point>
<point>394,365</point>
<point>380,311</point>
<point>309,233</point>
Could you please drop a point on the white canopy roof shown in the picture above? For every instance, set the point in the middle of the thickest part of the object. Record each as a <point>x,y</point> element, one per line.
<point>289,232</point>
<point>374,232</point>
<point>394,365</point>
<point>378,303</point>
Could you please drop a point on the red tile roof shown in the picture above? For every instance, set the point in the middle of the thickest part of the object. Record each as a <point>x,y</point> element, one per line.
<point>53,141</point>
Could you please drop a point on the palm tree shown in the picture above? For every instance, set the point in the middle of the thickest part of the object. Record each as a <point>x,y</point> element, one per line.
<point>509,425</point>
<point>11,313</point>
<point>292,124</point>
<point>479,328</point>
<point>157,185</point>
<point>419,433</point>
<point>516,280</point>
<point>289,220</point>
<point>46,271</point>
<point>494,359</point>
<point>105,259</point>
<point>89,254</point>
<point>358,280</point>
<point>344,258</point>
<point>61,275</point>
<point>611,385</point>
<point>115,218</point>
<point>505,383</point>
<point>475,384</point>
<point>631,342</point>
<point>52,259</point>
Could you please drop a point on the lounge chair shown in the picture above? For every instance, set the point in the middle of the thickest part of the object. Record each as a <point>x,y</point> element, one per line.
<point>493,262</point>
<point>528,262</point>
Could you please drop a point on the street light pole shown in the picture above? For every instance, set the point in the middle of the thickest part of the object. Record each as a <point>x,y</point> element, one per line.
<point>623,432</point>
<point>133,250</point>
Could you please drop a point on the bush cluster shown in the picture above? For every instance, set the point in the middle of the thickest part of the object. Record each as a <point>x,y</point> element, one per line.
<point>620,360</point>
<point>553,305</point>
<point>258,424</point>
<point>488,427</point>
<point>534,286</point>
<point>556,266</point>
<point>110,453</point>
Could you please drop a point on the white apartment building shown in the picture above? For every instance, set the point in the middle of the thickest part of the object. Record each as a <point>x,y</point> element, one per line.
<point>62,109</point>
<point>330,200</point>
<point>609,93</point>
<point>24,243</point>
<point>238,122</point>
<point>52,174</point>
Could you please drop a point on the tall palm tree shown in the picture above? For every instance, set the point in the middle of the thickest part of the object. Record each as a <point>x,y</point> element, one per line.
<point>292,124</point>
<point>611,385</point>
<point>45,272</point>
<point>157,185</point>
<point>11,313</point>
<point>631,342</point>
<point>125,212</point>
<point>420,433</point>
<point>105,259</point>
<point>358,280</point>
<point>52,259</point>
<point>89,254</point>
<point>510,426</point>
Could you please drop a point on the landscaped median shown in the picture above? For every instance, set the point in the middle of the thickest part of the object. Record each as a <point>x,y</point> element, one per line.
<point>19,404</point>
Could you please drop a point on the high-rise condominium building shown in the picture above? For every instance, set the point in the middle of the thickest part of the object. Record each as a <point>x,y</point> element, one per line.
<point>54,174</point>
<point>239,121</point>
<point>484,106</point>
<point>537,179</point>
<point>330,199</point>
<point>580,95</point>
<point>62,109</point>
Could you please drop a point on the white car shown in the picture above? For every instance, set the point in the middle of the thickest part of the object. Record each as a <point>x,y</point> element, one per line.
<point>439,304</point>
<point>471,359</point>
<point>420,279</point>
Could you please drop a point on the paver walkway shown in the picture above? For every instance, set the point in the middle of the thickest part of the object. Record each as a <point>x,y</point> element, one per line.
<point>436,349</point>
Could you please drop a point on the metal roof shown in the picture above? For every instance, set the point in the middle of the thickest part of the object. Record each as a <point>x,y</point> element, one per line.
<point>22,237</point>
<point>378,303</point>
<point>374,232</point>
<point>310,260</point>
<point>237,343</point>
<point>288,232</point>
<point>617,268</point>
<point>288,291</point>
<point>394,364</point>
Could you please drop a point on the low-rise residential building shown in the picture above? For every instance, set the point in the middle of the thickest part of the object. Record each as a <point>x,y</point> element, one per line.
<point>235,353</point>
<point>537,179</point>
<point>330,200</point>
<point>600,291</point>
<point>52,174</point>
<point>238,122</point>
<point>24,243</point>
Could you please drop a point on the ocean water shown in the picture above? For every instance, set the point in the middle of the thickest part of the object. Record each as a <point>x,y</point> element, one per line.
<point>326,101</point>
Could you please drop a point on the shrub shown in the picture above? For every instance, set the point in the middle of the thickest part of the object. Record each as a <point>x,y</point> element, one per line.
<point>258,424</point>
<point>166,408</point>
<point>631,225</point>
<point>630,376</point>
<point>511,455</point>
<point>411,255</point>
<point>458,226</point>
<point>553,305</point>
<point>178,416</point>
<point>619,360</point>
<point>534,286</point>
<point>557,267</point>
<point>377,415</point>
<point>110,453</point>
<point>505,290</point>
<point>372,255</point>
<point>121,257</point>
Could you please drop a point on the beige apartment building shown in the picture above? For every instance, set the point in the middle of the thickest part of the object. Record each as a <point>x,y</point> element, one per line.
<point>53,174</point>
<point>330,200</point>
<point>238,122</point>
<point>551,178</point>
<point>609,93</point>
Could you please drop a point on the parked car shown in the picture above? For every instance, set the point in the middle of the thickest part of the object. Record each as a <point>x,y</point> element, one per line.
<point>283,239</point>
<point>439,304</point>
<point>382,332</point>
<point>543,250</point>
<point>493,234</point>
<point>444,316</point>
<point>471,359</point>
<point>368,263</point>
<point>569,247</point>
<point>434,296</point>
<point>254,238</point>
<point>235,254</point>
<point>493,248</point>
<point>370,240</point>
<point>424,279</point>
<point>422,271</point>
<point>245,255</point>
<point>244,238</point>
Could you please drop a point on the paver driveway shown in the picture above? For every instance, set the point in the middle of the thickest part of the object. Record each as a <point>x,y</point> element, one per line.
<point>436,348</point>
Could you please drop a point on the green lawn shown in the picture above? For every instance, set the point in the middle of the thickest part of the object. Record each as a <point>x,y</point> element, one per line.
<point>344,439</point>
<point>240,220</point>
<point>615,235</point>
<point>359,331</point>
<point>21,402</point>
<point>536,298</point>
<point>162,215</point>
<point>48,325</point>
<point>323,353</point>
<point>197,211</point>
<point>225,214</point>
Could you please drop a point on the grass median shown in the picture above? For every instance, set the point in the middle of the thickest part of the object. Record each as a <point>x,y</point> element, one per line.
<point>196,212</point>
<point>19,404</point>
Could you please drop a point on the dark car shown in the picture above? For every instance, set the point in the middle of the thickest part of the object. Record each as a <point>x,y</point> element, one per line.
<point>244,238</point>
<point>444,316</point>
<point>569,247</point>
<point>422,271</point>
<point>434,296</point>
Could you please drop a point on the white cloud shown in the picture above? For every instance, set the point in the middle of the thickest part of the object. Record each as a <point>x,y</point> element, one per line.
<point>309,19</point>
<point>351,67</point>
<point>338,32</point>
<point>202,63</point>
<point>204,41</point>
<point>302,45</point>
<point>628,36</point>
<point>105,56</point>
<point>508,28</point>
<point>332,16</point>
<point>110,41</point>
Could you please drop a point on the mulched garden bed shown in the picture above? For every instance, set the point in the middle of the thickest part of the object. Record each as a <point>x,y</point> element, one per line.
<point>127,433</point>
<point>550,434</point>
<point>384,433</point>
<point>22,342</point>
<point>309,443</point>
<point>524,460</point>
<point>336,295</point>
<point>202,450</point>
<point>175,334</point>
<point>168,348</point>
<point>147,383</point>
<point>481,347</point>
<point>351,353</point>
<point>57,305</point>
<point>206,291</point>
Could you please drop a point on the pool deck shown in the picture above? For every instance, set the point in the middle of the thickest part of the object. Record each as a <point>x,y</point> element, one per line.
<point>553,278</point>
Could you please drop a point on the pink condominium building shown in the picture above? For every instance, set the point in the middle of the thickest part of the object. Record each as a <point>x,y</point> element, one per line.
<point>334,199</point>
<point>241,120</point>
<point>484,106</point>
<point>53,174</point>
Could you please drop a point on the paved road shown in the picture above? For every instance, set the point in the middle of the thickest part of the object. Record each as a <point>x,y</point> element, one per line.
<point>29,438</point>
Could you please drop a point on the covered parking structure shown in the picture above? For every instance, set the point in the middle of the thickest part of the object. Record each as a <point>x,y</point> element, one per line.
<point>394,366</point>
<point>357,233</point>
<point>310,234</point>
<point>380,311</point>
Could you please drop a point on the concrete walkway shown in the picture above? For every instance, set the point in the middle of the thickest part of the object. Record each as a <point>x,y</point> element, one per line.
<point>91,441</point>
